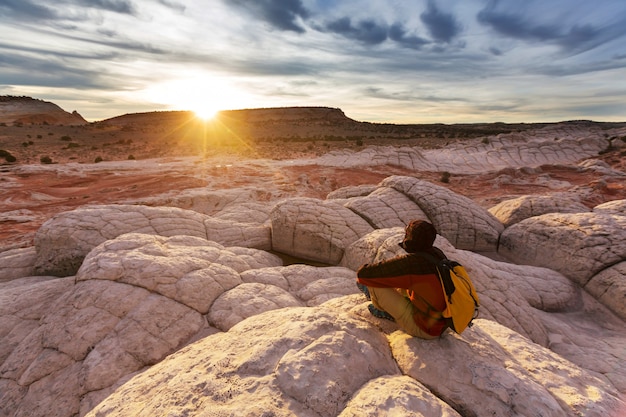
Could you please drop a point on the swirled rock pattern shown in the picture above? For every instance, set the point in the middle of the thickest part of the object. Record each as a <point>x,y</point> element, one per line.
<point>510,150</point>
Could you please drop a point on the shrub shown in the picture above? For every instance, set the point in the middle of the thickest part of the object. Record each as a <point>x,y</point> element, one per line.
<point>7,156</point>
<point>131,157</point>
<point>45,160</point>
<point>98,159</point>
<point>73,145</point>
<point>445,177</point>
<point>66,138</point>
<point>485,141</point>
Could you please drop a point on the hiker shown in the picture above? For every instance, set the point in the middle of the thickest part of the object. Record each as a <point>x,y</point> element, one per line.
<point>406,289</point>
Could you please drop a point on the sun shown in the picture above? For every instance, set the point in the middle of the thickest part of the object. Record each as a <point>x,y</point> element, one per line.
<point>203,94</point>
<point>205,113</point>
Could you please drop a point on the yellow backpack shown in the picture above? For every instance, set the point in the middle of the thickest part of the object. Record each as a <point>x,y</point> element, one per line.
<point>462,301</point>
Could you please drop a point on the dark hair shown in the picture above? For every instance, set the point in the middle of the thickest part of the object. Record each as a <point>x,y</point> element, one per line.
<point>419,236</point>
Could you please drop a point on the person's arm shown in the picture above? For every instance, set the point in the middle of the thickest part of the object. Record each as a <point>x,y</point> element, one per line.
<point>397,272</point>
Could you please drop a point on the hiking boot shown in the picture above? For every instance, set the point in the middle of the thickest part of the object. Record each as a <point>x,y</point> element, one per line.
<point>381,314</point>
<point>364,290</point>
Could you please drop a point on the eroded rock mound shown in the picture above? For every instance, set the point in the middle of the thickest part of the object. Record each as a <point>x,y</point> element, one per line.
<point>319,361</point>
<point>515,210</point>
<point>298,339</point>
<point>63,241</point>
<point>314,229</point>
<point>578,245</point>
<point>457,218</point>
<point>609,287</point>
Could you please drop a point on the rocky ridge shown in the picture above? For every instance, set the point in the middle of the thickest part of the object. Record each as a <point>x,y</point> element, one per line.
<point>27,110</point>
<point>242,301</point>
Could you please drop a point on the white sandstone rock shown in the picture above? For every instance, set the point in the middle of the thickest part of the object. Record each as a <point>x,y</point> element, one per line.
<point>248,300</point>
<point>324,361</point>
<point>314,229</point>
<point>492,370</point>
<point>520,208</point>
<point>457,218</point>
<point>297,361</point>
<point>396,396</point>
<point>229,233</point>
<point>576,245</point>
<point>611,207</point>
<point>609,287</point>
<point>385,208</point>
<point>63,241</point>
<point>17,263</point>
<point>351,191</point>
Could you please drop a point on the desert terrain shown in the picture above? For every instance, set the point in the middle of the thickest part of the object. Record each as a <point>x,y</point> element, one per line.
<point>78,168</point>
<point>159,264</point>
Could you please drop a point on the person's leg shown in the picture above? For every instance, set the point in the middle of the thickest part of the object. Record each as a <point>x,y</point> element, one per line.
<point>400,307</point>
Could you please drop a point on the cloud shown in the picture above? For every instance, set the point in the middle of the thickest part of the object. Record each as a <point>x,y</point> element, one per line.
<point>173,5</point>
<point>281,14</point>
<point>25,9</point>
<point>48,73</point>
<point>515,26</point>
<point>443,27</point>
<point>117,6</point>
<point>398,33</point>
<point>577,38</point>
<point>366,31</point>
<point>371,33</point>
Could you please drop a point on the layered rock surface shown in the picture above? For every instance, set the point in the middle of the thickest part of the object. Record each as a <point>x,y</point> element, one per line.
<point>139,310</point>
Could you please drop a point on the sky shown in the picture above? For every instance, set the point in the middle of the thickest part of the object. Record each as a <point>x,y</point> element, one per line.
<point>417,61</point>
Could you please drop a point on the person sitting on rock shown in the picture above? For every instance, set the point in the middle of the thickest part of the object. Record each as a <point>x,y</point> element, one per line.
<point>406,289</point>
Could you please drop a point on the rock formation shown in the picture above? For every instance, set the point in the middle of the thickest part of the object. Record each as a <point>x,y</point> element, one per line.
<point>247,306</point>
<point>26,110</point>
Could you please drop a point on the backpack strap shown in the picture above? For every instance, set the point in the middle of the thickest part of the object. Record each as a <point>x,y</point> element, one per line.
<point>443,268</point>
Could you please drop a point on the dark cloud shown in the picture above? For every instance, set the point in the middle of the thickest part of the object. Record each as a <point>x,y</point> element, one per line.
<point>366,31</point>
<point>371,32</point>
<point>117,6</point>
<point>33,10</point>
<point>398,33</point>
<point>516,26</point>
<point>25,9</point>
<point>443,27</point>
<point>46,72</point>
<point>173,5</point>
<point>574,39</point>
<point>282,14</point>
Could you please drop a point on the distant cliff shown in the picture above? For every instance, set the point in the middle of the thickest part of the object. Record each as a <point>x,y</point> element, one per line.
<point>18,110</point>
